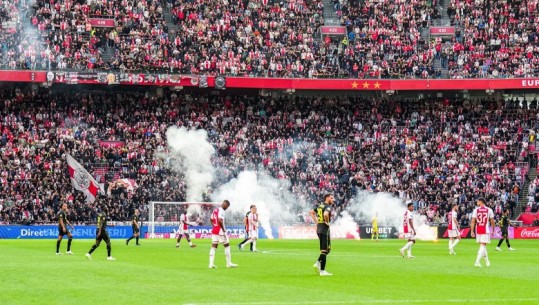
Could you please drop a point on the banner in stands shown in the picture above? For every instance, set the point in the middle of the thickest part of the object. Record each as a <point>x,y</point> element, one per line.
<point>304,232</point>
<point>51,231</point>
<point>108,144</point>
<point>333,30</point>
<point>101,22</point>
<point>442,30</point>
<point>176,80</point>
<point>383,232</point>
<point>205,232</point>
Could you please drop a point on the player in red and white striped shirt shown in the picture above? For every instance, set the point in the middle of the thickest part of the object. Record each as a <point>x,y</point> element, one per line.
<point>252,227</point>
<point>219,235</point>
<point>482,227</point>
<point>184,230</point>
<point>453,229</point>
<point>409,231</point>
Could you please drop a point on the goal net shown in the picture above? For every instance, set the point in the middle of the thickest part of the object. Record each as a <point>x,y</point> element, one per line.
<point>164,217</point>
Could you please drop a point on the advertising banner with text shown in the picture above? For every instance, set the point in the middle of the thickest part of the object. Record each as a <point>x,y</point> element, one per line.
<point>205,232</point>
<point>527,232</point>
<point>466,233</point>
<point>383,232</point>
<point>51,231</point>
<point>309,232</point>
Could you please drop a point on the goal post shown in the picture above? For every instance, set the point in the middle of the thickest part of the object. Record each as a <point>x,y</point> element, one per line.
<point>164,216</point>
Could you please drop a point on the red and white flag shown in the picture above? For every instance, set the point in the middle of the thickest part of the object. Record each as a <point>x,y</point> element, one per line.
<point>82,180</point>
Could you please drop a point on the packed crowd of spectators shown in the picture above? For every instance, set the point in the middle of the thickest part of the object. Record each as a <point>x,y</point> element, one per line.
<point>430,152</point>
<point>272,38</point>
<point>496,39</point>
<point>533,196</point>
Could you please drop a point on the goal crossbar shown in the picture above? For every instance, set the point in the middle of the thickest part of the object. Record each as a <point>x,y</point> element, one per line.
<point>152,212</point>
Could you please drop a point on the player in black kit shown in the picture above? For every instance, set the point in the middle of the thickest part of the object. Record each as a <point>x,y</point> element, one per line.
<point>62,230</point>
<point>322,216</point>
<point>136,228</point>
<point>246,222</point>
<point>101,234</point>
<point>504,224</point>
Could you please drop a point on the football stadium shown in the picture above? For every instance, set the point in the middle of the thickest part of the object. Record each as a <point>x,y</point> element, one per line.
<point>217,152</point>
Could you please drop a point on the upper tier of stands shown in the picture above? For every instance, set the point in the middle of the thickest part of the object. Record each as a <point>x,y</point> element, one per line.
<point>274,38</point>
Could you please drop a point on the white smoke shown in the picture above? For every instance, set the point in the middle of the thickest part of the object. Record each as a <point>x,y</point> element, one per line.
<point>271,196</point>
<point>389,210</point>
<point>190,154</point>
<point>345,222</point>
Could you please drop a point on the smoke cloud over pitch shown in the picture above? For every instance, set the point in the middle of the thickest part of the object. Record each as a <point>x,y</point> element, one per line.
<point>271,196</point>
<point>190,154</point>
<point>390,211</point>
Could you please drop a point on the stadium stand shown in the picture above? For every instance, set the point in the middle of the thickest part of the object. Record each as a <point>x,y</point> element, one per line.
<point>431,152</point>
<point>270,38</point>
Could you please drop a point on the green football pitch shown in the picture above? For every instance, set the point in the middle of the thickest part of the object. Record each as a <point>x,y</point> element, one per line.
<point>364,272</point>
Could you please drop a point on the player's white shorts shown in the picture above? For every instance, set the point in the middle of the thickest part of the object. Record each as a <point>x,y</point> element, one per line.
<point>482,238</point>
<point>253,234</point>
<point>409,236</point>
<point>453,233</point>
<point>219,239</point>
<point>182,231</point>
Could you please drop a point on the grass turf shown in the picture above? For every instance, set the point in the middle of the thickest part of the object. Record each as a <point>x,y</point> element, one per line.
<point>365,272</point>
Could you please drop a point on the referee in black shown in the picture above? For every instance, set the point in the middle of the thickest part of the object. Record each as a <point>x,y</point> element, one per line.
<point>322,216</point>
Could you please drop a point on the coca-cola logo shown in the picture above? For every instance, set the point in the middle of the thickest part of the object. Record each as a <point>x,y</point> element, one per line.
<point>525,233</point>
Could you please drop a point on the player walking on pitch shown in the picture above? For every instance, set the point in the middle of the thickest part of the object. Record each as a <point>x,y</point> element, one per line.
<point>101,234</point>
<point>246,223</point>
<point>219,235</point>
<point>183,230</point>
<point>482,223</point>
<point>62,230</point>
<point>504,226</point>
<point>374,229</point>
<point>136,228</point>
<point>453,229</point>
<point>252,224</point>
<point>409,231</point>
<point>322,216</point>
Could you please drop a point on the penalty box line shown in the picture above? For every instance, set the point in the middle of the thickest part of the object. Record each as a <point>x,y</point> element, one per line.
<point>375,302</point>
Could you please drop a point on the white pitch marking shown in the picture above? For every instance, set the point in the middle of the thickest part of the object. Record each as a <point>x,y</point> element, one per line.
<point>377,302</point>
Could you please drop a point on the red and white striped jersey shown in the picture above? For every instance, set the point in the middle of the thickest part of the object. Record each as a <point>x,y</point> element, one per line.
<point>218,213</point>
<point>252,221</point>
<point>406,222</point>
<point>183,221</point>
<point>482,215</point>
<point>452,220</point>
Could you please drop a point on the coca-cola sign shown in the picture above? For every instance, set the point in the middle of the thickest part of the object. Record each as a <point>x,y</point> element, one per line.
<point>527,233</point>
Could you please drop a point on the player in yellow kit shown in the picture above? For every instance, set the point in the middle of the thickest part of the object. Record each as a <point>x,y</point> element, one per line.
<point>374,229</point>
